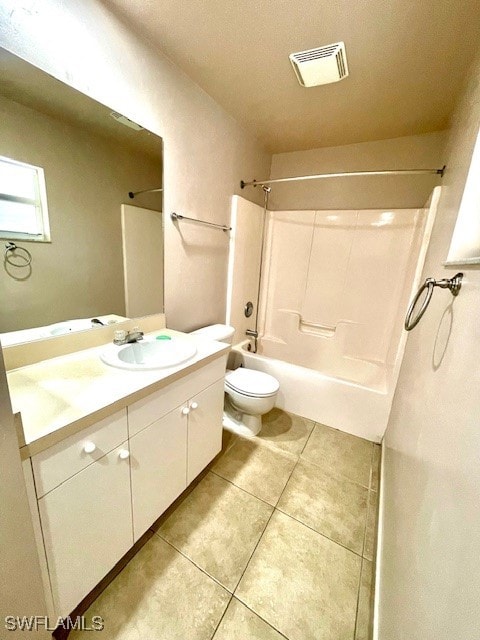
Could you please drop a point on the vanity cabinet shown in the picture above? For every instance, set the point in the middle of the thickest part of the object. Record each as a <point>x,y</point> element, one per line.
<point>205,411</point>
<point>86,525</point>
<point>159,468</point>
<point>98,491</point>
<point>168,455</point>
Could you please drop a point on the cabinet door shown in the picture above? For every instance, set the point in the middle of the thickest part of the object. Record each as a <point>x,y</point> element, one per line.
<point>87,527</point>
<point>204,428</point>
<point>158,467</point>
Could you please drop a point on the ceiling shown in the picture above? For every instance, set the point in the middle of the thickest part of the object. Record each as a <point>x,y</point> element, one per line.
<point>407,61</point>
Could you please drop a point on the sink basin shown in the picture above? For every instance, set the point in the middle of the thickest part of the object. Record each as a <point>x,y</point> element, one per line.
<point>60,328</point>
<point>149,354</point>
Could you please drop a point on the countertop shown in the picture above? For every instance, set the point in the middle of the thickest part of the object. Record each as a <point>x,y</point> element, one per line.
<point>58,397</point>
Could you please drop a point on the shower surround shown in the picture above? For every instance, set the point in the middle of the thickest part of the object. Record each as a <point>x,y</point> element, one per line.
<point>334,289</point>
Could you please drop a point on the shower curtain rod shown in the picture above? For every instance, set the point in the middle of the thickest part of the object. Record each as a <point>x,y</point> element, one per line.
<point>387,172</point>
<point>132,194</point>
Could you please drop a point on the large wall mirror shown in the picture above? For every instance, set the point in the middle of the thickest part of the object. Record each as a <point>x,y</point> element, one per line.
<point>101,254</point>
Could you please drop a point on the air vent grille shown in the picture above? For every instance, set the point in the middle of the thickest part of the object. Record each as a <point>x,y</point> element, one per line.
<point>321,65</point>
<point>342,72</point>
<point>126,121</point>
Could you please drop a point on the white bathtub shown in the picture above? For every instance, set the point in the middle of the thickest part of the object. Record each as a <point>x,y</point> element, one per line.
<point>360,410</point>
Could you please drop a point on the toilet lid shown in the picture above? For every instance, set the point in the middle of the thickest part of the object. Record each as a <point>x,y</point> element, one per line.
<point>251,382</point>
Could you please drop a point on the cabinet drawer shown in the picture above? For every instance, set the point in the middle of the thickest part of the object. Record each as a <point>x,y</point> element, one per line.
<point>143,413</point>
<point>65,459</point>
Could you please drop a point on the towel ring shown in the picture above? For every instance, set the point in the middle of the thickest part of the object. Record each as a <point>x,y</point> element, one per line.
<point>454,284</point>
<point>10,249</point>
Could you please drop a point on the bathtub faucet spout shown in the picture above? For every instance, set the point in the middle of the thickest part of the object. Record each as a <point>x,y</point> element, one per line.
<point>252,333</point>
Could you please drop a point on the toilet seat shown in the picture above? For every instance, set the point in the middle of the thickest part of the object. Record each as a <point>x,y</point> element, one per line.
<point>249,382</point>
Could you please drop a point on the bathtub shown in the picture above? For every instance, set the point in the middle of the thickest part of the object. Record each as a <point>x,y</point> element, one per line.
<point>358,409</point>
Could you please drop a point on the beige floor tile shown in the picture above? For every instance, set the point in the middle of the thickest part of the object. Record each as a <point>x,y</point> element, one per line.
<point>301,583</point>
<point>159,595</point>
<point>376,459</point>
<point>335,507</point>
<point>285,430</point>
<point>364,626</point>
<point>371,530</point>
<point>217,526</point>
<point>258,469</point>
<point>340,454</point>
<point>239,623</point>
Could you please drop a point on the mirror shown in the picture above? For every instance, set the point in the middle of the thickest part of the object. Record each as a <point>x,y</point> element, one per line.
<point>465,245</point>
<point>92,159</point>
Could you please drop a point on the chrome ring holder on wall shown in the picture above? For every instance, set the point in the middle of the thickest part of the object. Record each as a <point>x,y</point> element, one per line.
<point>12,251</point>
<point>454,284</point>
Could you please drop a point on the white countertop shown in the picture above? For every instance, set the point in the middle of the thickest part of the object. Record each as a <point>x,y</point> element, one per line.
<point>60,396</point>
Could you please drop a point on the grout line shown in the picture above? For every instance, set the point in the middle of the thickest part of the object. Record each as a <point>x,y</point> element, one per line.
<point>358,599</point>
<point>336,477</point>
<point>241,488</point>
<point>277,508</point>
<point>259,616</point>
<point>370,507</point>
<point>308,439</point>
<point>268,444</point>
<point>254,549</point>
<point>289,477</point>
<point>359,555</point>
<point>366,525</point>
<point>221,618</point>
<point>370,481</point>
<point>203,570</point>
<point>182,553</point>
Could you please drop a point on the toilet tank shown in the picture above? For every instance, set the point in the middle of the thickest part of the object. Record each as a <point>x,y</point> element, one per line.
<point>219,332</point>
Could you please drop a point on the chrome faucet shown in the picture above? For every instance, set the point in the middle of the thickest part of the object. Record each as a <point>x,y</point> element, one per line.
<point>126,337</point>
<point>252,333</point>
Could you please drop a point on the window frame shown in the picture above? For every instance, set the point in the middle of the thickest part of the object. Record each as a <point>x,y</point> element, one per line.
<point>40,203</point>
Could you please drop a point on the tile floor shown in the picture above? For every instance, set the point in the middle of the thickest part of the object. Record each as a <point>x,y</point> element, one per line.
<point>276,541</point>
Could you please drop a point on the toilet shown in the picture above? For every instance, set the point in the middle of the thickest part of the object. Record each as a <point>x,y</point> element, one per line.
<point>249,393</point>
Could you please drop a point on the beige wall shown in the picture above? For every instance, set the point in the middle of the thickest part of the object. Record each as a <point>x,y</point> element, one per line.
<point>430,556</point>
<point>405,192</point>
<point>206,153</point>
<point>80,273</point>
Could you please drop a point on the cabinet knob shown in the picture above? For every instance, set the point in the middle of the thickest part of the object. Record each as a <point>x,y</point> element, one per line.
<point>124,454</point>
<point>89,447</point>
<point>185,411</point>
<point>194,405</point>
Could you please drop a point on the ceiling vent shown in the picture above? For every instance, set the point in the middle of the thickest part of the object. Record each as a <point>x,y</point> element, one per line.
<point>320,66</point>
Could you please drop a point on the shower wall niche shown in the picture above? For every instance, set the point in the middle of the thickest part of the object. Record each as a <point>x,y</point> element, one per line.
<point>335,288</point>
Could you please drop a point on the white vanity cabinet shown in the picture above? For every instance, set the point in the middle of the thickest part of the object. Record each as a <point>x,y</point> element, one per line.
<point>205,412</point>
<point>95,493</point>
<point>83,491</point>
<point>158,467</point>
<point>168,450</point>
<point>86,524</point>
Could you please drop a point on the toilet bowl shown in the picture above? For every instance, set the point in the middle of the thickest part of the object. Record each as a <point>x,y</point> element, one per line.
<point>248,393</point>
